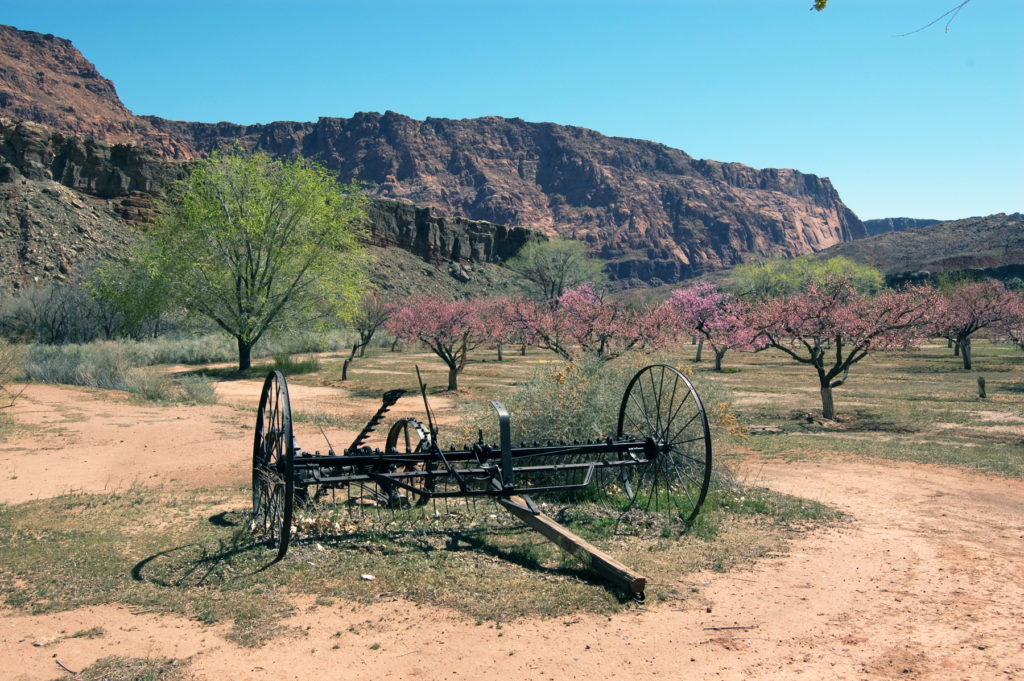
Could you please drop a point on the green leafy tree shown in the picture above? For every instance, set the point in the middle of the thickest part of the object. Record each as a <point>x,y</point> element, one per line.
<point>788,276</point>
<point>131,296</point>
<point>556,265</point>
<point>254,243</point>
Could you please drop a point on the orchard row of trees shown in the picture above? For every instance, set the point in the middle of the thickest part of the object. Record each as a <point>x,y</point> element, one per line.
<point>250,244</point>
<point>827,324</point>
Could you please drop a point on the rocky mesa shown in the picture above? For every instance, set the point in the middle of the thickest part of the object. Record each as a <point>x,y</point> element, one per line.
<point>654,213</point>
<point>65,201</point>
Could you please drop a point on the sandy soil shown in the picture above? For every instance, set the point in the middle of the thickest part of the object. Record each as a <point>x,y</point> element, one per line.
<point>925,582</point>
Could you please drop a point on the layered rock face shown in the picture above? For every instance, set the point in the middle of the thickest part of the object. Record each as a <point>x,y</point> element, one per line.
<point>106,171</point>
<point>46,79</point>
<point>434,238</point>
<point>654,213</point>
<point>65,201</point>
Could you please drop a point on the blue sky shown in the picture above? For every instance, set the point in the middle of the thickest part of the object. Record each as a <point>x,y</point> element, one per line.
<point>929,125</point>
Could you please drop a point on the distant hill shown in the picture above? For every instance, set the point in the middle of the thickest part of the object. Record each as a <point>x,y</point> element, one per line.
<point>654,213</point>
<point>992,245</point>
<point>883,225</point>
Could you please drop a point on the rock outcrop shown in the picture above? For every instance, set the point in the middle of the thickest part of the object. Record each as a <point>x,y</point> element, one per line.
<point>65,200</point>
<point>129,173</point>
<point>436,239</point>
<point>654,213</point>
<point>46,79</point>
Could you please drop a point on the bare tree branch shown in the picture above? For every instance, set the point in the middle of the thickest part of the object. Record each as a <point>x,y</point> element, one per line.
<point>955,11</point>
<point>820,5</point>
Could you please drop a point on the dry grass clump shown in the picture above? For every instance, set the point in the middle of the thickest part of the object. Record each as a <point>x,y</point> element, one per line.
<point>117,668</point>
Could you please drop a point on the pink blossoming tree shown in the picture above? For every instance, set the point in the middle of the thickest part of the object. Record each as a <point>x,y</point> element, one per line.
<point>1013,325</point>
<point>496,322</point>
<point>965,309</point>
<point>583,322</point>
<point>719,318</point>
<point>830,327</point>
<point>449,328</point>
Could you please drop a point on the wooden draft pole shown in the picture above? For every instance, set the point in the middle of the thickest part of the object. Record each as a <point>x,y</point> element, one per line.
<point>612,570</point>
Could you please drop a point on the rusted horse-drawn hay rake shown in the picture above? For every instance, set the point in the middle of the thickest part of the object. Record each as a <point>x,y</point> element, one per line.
<point>659,462</point>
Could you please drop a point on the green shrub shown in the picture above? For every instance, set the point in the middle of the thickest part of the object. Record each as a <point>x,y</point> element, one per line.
<point>12,366</point>
<point>148,384</point>
<point>196,390</point>
<point>580,400</point>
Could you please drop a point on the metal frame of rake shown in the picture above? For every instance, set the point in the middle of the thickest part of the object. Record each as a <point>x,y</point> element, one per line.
<point>659,461</point>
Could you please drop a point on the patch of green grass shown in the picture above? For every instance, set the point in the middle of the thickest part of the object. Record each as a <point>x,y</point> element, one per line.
<point>327,421</point>
<point>180,552</point>
<point>919,406</point>
<point>8,425</point>
<point>284,363</point>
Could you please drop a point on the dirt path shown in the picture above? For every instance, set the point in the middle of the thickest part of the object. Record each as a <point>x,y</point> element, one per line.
<point>925,582</point>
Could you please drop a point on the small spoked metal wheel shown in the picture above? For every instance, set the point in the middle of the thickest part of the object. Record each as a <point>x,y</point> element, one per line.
<point>273,451</point>
<point>661,406</point>
<point>409,437</point>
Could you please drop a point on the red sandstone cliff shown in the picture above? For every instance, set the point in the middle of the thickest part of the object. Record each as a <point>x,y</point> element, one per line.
<point>653,212</point>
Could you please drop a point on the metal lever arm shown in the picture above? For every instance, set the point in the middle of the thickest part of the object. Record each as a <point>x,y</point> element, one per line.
<point>505,433</point>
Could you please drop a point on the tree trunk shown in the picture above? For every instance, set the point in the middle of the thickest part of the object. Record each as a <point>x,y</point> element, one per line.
<point>956,349</point>
<point>965,352</point>
<point>828,407</point>
<point>500,358</point>
<point>352,355</point>
<point>522,350</point>
<point>700,350</point>
<point>719,354</point>
<point>244,355</point>
<point>453,378</point>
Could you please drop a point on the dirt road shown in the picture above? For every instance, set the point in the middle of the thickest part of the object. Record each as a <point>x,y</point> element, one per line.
<point>926,580</point>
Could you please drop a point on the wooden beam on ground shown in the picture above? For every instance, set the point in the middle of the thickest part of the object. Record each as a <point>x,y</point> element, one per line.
<point>606,566</point>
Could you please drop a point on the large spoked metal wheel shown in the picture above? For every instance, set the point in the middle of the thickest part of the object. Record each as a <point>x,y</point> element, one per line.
<point>661,406</point>
<point>273,450</point>
<point>409,437</point>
